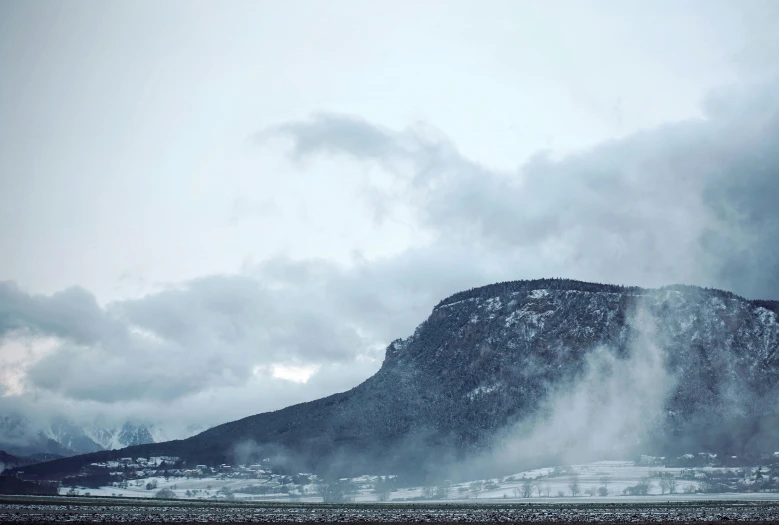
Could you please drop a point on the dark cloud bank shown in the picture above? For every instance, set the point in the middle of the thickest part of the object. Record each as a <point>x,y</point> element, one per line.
<point>695,202</point>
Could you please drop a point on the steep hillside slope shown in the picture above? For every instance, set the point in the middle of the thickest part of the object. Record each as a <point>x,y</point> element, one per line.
<point>538,364</point>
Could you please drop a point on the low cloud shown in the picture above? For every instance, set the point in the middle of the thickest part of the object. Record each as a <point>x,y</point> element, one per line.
<point>606,412</point>
<point>207,334</point>
<point>690,202</point>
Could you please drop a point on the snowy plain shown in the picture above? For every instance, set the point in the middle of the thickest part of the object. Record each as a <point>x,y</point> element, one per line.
<point>547,486</point>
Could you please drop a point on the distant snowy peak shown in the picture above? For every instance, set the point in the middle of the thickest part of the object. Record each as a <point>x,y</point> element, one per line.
<point>64,437</point>
<point>71,436</point>
<point>131,434</point>
<point>113,438</point>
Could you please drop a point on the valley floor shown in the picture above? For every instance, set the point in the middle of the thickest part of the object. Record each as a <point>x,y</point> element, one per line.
<point>603,481</point>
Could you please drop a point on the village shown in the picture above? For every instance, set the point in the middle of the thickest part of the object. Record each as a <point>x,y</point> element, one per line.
<point>694,476</point>
<point>163,476</point>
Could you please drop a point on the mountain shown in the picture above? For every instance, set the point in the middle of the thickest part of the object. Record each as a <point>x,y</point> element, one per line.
<point>22,437</point>
<point>59,436</point>
<point>127,435</point>
<point>514,371</point>
<point>71,436</point>
<point>8,461</point>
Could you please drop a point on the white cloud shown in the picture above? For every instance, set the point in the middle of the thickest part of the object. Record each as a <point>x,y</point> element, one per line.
<point>295,374</point>
<point>19,350</point>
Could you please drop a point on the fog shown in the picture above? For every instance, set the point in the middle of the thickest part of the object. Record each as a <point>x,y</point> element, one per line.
<point>606,412</point>
<point>211,213</point>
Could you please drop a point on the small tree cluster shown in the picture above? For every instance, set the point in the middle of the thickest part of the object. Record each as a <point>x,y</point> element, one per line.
<point>165,494</point>
<point>341,491</point>
<point>640,489</point>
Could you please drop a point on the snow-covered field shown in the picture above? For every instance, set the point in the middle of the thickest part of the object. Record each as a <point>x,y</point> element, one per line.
<point>599,481</point>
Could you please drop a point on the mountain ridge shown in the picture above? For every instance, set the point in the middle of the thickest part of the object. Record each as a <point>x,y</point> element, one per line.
<point>584,286</point>
<point>488,361</point>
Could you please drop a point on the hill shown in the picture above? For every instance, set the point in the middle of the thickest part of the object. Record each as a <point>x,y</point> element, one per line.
<point>512,372</point>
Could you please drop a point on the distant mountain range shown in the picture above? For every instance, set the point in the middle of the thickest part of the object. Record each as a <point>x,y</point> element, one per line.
<point>59,437</point>
<point>528,368</point>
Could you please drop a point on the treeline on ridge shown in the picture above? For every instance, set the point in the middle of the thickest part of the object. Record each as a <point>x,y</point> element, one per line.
<point>559,283</point>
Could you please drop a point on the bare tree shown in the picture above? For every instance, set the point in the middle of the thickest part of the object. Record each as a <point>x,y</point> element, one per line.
<point>644,486</point>
<point>336,492</point>
<point>527,488</point>
<point>573,485</point>
<point>672,485</point>
<point>663,485</point>
<point>708,485</point>
<point>604,489</point>
<point>442,490</point>
<point>604,480</point>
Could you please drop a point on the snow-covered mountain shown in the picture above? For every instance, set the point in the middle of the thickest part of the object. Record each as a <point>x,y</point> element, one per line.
<point>127,435</point>
<point>25,436</point>
<point>21,436</point>
<point>527,369</point>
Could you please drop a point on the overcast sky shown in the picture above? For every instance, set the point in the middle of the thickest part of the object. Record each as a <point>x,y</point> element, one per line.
<point>214,209</point>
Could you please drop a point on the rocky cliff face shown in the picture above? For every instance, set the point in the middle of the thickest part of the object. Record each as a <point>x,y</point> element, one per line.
<point>549,367</point>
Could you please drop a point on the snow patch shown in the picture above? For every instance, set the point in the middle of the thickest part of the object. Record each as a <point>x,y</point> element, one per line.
<point>538,294</point>
<point>457,302</point>
<point>483,390</point>
<point>493,304</point>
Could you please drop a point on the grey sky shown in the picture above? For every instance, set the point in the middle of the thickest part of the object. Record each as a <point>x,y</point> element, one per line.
<point>199,199</point>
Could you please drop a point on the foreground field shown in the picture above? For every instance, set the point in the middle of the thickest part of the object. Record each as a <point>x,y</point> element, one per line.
<point>106,510</point>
